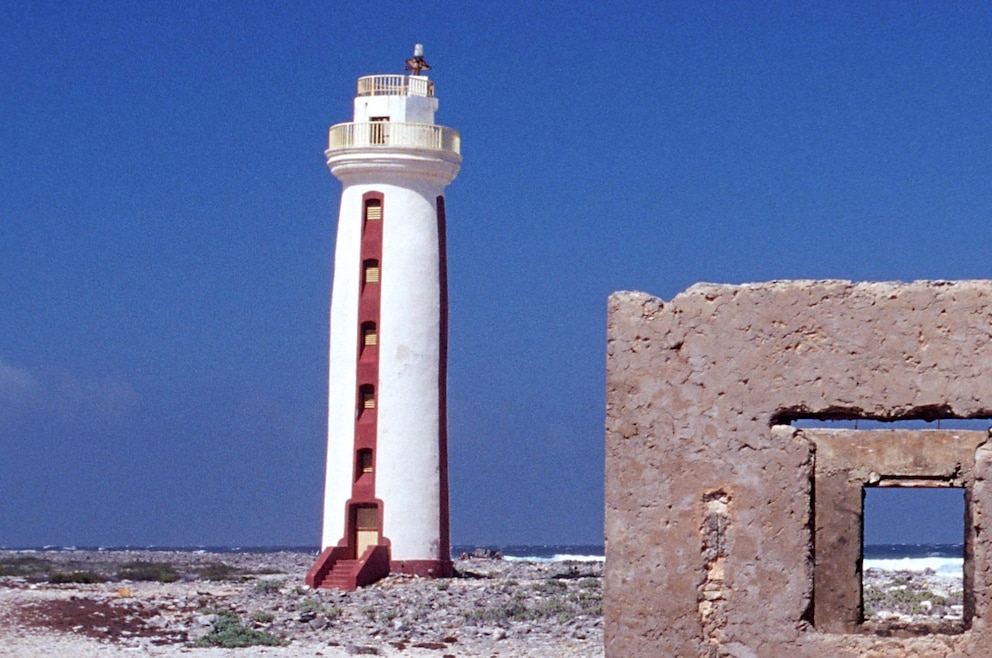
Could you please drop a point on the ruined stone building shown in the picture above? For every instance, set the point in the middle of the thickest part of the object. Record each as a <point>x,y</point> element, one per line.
<point>731,531</point>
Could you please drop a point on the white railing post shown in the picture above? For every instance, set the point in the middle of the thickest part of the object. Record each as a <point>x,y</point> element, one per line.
<point>418,86</point>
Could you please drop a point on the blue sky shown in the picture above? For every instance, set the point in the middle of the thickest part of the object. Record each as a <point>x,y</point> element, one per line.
<point>167,227</point>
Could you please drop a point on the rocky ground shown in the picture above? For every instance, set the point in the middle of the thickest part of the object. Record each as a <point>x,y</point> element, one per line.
<point>908,600</point>
<point>84,603</point>
<point>115,603</point>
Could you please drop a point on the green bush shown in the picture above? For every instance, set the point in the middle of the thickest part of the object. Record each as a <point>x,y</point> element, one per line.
<point>551,586</point>
<point>79,577</point>
<point>25,567</point>
<point>230,633</point>
<point>588,602</point>
<point>162,572</point>
<point>310,605</point>
<point>221,571</point>
<point>562,607</point>
<point>502,613</point>
<point>900,596</point>
<point>269,586</point>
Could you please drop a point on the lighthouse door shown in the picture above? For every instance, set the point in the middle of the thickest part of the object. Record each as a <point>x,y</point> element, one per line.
<point>366,529</point>
<point>379,130</point>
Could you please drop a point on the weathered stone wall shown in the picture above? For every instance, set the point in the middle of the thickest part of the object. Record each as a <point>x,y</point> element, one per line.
<point>710,516</point>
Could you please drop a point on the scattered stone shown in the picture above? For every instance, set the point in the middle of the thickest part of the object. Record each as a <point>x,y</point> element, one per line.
<point>521,606</point>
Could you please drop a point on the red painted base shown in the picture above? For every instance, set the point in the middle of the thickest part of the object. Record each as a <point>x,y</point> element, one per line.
<point>424,568</point>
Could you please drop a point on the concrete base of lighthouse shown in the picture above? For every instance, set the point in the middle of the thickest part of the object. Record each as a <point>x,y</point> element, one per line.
<point>424,568</point>
<point>334,569</point>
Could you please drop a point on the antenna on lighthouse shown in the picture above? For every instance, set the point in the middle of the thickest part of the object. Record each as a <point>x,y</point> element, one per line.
<point>416,64</point>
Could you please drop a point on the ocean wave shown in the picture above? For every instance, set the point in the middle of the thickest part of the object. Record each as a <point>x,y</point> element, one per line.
<point>558,557</point>
<point>942,565</point>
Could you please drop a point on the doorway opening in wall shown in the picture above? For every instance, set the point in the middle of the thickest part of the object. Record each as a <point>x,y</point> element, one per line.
<point>913,554</point>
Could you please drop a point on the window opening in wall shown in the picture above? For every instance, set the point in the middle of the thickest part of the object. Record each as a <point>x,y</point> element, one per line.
<point>371,274</point>
<point>913,558</point>
<point>363,462</point>
<point>373,210</point>
<point>978,424</point>
<point>369,336</point>
<point>366,398</point>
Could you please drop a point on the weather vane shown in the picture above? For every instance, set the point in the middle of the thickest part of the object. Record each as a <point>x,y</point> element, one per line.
<point>417,63</point>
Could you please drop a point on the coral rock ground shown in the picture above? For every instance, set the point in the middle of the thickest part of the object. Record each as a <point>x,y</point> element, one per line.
<point>113,603</point>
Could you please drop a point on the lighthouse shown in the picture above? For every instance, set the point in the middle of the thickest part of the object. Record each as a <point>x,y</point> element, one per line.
<point>386,487</point>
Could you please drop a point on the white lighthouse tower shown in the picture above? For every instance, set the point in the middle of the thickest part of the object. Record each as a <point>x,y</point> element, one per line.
<point>386,490</point>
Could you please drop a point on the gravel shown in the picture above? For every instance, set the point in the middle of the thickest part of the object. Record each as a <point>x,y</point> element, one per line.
<point>493,608</point>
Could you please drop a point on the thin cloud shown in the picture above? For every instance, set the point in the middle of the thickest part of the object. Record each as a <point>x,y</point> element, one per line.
<point>72,394</point>
<point>63,392</point>
<point>16,385</point>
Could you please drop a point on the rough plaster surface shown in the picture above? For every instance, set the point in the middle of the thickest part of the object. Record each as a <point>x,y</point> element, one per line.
<point>710,515</point>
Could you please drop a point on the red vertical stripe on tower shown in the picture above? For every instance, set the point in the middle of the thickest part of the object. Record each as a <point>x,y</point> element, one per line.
<point>444,547</point>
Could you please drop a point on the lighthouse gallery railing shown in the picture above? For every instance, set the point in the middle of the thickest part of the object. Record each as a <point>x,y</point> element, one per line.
<point>395,85</point>
<point>386,133</point>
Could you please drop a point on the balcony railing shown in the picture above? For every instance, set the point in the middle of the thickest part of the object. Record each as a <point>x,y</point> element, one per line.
<point>385,133</point>
<point>395,85</point>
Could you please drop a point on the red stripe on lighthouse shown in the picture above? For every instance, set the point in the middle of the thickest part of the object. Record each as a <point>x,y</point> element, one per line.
<point>444,543</point>
<point>365,453</point>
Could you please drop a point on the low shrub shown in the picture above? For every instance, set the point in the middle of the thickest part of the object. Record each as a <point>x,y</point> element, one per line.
<point>310,605</point>
<point>25,567</point>
<point>162,572</point>
<point>268,586</point>
<point>78,577</point>
<point>912,599</point>
<point>230,633</point>
<point>551,586</point>
<point>221,571</point>
<point>562,607</point>
<point>262,617</point>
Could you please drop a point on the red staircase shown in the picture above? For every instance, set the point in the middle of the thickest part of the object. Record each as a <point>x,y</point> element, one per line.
<point>342,575</point>
<point>334,571</point>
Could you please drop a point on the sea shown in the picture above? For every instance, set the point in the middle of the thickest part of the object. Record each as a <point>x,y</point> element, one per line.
<point>941,558</point>
<point>520,552</point>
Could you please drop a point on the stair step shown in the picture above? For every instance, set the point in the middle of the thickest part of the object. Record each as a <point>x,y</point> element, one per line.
<point>340,575</point>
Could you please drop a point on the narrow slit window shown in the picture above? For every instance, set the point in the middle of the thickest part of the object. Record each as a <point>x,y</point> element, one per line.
<point>364,463</point>
<point>366,397</point>
<point>370,337</point>
<point>371,271</point>
<point>373,210</point>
